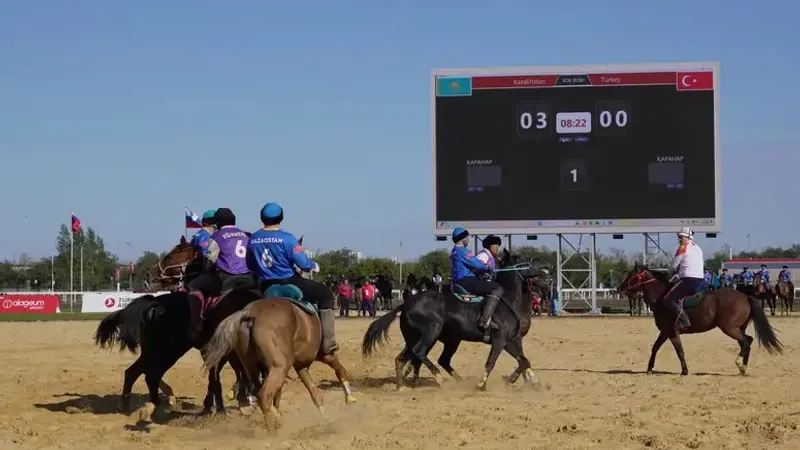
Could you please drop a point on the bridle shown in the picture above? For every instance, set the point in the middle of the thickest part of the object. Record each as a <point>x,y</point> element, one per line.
<point>176,279</point>
<point>639,279</point>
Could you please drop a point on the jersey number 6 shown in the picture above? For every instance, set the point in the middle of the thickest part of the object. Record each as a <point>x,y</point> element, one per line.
<point>240,250</point>
<point>266,258</point>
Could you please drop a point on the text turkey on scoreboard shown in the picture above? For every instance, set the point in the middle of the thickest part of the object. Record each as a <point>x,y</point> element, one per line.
<point>593,149</point>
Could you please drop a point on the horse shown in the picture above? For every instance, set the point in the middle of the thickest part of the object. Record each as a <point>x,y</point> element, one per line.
<point>762,292</point>
<point>726,309</point>
<point>384,288</point>
<point>784,291</point>
<point>451,316</point>
<point>160,326</point>
<point>741,285</point>
<point>635,303</point>
<point>279,332</point>
<point>174,271</point>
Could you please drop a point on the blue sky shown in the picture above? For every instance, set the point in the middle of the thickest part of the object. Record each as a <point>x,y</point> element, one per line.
<point>128,111</point>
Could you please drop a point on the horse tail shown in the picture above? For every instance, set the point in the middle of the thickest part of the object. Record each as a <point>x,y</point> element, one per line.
<point>764,331</point>
<point>225,338</point>
<point>124,327</point>
<point>378,332</point>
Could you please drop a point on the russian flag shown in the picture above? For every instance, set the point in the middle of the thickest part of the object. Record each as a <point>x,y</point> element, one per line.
<point>192,221</point>
<point>76,223</point>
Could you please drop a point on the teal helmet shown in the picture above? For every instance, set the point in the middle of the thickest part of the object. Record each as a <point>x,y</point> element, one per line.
<point>208,217</point>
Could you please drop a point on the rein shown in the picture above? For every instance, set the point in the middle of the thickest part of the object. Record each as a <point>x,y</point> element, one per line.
<point>178,278</point>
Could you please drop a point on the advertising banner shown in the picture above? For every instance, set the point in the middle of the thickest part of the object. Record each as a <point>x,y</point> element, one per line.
<point>28,303</point>
<point>94,302</point>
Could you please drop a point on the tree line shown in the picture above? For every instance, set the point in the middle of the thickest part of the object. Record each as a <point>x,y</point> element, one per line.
<point>101,267</point>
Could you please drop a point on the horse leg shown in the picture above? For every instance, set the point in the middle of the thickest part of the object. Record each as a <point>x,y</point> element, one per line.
<point>209,400</point>
<point>744,346</point>
<point>153,379</point>
<point>656,346</point>
<point>132,373</point>
<point>332,361</point>
<point>514,348</point>
<point>421,349</point>
<point>172,402</point>
<point>498,344</point>
<point>678,345</point>
<point>215,388</point>
<point>399,364</point>
<point>446,358</point>
<point>269,389</point>
<point>316,396</point>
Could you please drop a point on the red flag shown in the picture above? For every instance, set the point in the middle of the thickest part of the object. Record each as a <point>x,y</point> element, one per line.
<point>695,81</point>
<point>76,223</point>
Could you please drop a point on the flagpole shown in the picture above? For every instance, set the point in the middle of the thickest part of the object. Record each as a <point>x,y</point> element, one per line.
<point>81,267</point>
<point>71,254</point>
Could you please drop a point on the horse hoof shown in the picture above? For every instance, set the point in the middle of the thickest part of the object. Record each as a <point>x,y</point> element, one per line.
<point>205,412</point>
<point>172,402</point>
<point>684,373</point>
<point>481,386</point>
<point>146,412</point>
<point>439,380</point>
<point>231,395</point>
<point>349,399</point>
<point>246,410</point>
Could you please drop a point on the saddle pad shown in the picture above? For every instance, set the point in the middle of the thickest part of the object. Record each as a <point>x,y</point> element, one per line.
<point>692,301</point>
<point>463,296</point>
<point>291,294</point>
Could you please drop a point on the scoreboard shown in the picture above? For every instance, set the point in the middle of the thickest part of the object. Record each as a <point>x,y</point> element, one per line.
<point>577,149</point>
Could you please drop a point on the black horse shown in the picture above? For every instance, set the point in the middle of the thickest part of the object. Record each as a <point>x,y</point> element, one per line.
<point>384,287</point>
<point>432,315</point>
<point>160,326</point>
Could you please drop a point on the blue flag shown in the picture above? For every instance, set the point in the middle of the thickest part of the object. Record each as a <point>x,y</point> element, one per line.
<point>453,86</point>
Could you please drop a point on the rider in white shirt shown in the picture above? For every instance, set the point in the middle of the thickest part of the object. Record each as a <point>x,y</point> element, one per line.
<point>688,264</point>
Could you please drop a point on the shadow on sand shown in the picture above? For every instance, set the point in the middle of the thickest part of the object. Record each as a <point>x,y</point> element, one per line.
<point>632,372</point>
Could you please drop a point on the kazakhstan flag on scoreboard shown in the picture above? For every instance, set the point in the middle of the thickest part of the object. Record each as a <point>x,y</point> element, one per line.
<point>453,87</point>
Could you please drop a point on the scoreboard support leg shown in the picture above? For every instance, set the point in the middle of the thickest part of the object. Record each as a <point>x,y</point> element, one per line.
<point>653,249</point>
<point>580,278</point>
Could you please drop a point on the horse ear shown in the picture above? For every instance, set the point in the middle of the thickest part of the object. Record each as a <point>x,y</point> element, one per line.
<point>183,240</point>
<point>300,241</point>
<point>506,255</point>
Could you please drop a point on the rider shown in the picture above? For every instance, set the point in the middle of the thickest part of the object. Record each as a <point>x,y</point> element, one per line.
<point>688,263</point>
<point>787,275</point>
<point>708,277</point>
<point>464,267</point>
<point>227,252</point>
<point>764,273</point>
<point>491,245</point>
<point>273,254</point>
<point>726,278</point>
<point>437,279</point>
<point>746,276</point>
<point>200,239</point>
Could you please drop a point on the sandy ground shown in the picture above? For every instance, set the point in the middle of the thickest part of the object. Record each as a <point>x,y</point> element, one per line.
<point>58,391</point>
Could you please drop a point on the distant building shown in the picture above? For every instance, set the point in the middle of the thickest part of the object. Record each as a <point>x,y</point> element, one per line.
<point>775,265</point>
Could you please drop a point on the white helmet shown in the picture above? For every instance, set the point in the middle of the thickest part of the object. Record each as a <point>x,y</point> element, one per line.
<point>686,232</point>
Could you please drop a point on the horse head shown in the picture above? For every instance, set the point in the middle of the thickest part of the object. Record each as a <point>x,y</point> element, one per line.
<point>171,270</point>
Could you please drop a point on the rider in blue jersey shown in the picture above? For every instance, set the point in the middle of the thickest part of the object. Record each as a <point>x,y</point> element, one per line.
<point>787,275</point>
<point>200,239</point>
<point>273,254</point>
<point>726,279</point>
<point>764,273</point>
<point>465,266</point>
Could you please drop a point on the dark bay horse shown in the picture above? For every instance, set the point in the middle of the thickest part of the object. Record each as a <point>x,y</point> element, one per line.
<point>432,315</point>
<point>729,310</point>
<point>274,333</point>
<point>784,291</point>
<point>763,293</point>
<point>384,288</point>
<point>176,269</point>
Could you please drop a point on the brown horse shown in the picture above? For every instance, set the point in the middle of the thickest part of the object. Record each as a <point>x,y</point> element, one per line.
<point>785,292</point>
<point>763,293</point>
<point>275,333</point>
<point>726,309</point>
<point>174,271</point>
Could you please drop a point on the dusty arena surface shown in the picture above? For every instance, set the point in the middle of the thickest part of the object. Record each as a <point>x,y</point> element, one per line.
<point>58,391</point>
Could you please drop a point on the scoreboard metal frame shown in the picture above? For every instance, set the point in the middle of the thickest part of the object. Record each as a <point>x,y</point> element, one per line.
<point>580,226</point>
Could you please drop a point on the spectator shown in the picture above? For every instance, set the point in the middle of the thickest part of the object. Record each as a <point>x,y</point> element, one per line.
<point>367,299</point>
<point>345,297</point>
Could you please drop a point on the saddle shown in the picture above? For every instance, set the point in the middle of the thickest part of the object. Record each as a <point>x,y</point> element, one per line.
<point>693,300</point>
<point>463,295</point>
<point>292,294</point>
<point>207,303</point>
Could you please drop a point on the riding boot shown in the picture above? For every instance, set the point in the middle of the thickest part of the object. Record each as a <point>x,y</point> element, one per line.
<point>327,320</point>
<point>485,322</point>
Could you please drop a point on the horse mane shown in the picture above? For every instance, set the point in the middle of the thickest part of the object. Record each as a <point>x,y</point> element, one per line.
<point>660,275</point>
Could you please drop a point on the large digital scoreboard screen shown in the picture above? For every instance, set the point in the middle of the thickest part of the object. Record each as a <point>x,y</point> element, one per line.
<point>580,149</point>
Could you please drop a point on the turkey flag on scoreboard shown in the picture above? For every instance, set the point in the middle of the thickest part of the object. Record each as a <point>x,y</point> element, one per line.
<point>695,81</point>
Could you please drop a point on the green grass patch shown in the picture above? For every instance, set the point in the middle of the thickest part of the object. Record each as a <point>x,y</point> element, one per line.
<point>60,317</point>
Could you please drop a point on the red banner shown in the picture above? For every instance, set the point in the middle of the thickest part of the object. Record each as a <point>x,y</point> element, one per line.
<point>28,304</point>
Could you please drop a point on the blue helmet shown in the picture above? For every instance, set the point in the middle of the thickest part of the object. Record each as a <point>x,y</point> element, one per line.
<point>271,214</point>
<point>459,234</point>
